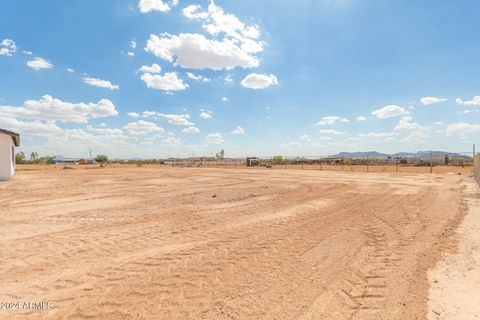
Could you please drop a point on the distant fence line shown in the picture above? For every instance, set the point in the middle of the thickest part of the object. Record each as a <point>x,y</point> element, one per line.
<point>337,163</point>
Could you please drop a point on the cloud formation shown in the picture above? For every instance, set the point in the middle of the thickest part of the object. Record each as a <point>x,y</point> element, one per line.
<point>329,120</point>
<point>142,128</point>
<point>259,81</point>
<point>474,102</point>
<point>100,83</point>
<point>389,111</point>
<point>191,129</point>
<point>431,100</point>
<point>49,108</point>
<point>462,128</point>
<point>146,6</point>
<point>168,82</point>
<point>39,64</point>
<point>195,51</point>
<point>7,47</point>
<point>214,138</point>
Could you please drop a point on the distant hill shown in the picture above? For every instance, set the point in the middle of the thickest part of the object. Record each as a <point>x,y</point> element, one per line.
<point>428,154</point>
<point>362,154</point>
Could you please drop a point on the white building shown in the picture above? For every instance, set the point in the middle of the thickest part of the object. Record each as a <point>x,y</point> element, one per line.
<point>8,141</point>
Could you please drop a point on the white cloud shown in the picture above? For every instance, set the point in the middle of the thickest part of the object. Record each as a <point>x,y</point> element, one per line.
<point>389,111</point>
<point>147,114</point>
<point>225,99</point>
<point>133,44</point>
<point>146,6</point>
<point>217,22</point>
<point>361,118</point>
<point>168,82</point>
<point>462,128</point>
<point>193,12</point>
<point>7,47</point>
<point>28,53</point>
<point>176,119</point>
<point>329,120</point>
<point>238,131</point>
<point>195,51</point>
<point>39,63</point>
<point>154,68</point>
<point>206,114</point>
<point>416,133</point>
<point>431,100</point>
<point>214,138</point>
<point>70,70</point>
<point>332,131</point>
<point>474,102</point>
<point>131,54</point>
<point>259,81</point>
<point>406,123</point>
<point>92,136</point>
<point>191,129</point>
<point>94,82</point>
<point>142,128</point>
<point>133,115</point>
<point>197,78</point>
<point>31,128</point>
<point>49,108</point>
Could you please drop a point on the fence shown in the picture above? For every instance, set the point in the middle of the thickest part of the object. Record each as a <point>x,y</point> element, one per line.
<point>457,163</point>
<point>476,168</point>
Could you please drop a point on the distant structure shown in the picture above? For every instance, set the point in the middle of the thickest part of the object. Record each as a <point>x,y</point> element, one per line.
<point>252,162</point>
<point>66,161</point>
<point>87,161</point>
<point>8,141</point>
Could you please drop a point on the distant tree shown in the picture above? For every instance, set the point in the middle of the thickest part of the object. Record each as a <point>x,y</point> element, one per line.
<point>101,158</point>
<point>48,159</point>
<point>20,157</point>
<point>278,159</point>
<point>39,160</point>
<point>220,155</point>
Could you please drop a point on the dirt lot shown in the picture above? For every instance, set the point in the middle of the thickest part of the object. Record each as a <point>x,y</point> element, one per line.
<point>185,243</point>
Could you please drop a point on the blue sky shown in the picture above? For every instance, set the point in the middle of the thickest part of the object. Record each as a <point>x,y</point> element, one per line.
<point>151,78</point>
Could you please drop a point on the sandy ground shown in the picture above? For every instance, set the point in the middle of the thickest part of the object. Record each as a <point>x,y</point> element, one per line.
<point>184,243</point>
<point>455,281</point>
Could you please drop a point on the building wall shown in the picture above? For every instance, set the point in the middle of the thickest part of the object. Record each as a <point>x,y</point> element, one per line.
<point>7,157</point>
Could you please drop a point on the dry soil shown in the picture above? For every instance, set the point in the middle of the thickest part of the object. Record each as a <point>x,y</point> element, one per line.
<point>186,243</point>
